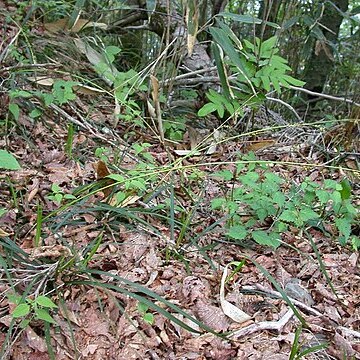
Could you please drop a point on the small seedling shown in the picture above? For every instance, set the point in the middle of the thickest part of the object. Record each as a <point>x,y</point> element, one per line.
<point>29,309</point>
<point>58,195</point>
<point>147,317</point>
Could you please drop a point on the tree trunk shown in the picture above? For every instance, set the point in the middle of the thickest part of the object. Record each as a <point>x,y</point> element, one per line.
<point>321,61</point>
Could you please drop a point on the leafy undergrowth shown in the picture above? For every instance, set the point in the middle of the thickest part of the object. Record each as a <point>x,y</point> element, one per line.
<point>117,245</point>
<point>110,263</point>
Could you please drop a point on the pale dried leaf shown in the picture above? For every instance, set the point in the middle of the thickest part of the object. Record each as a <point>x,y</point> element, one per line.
<point>233,312</point>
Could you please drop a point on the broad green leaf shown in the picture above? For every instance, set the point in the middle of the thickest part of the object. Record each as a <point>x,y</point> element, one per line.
<point>267,46</point>
<point>13,298</point>
<point>346,189</point>
<point>289,23</point>
<point>43,314</point>
<point>335,196</point>
<point>20,93</point>
<point>229,107</point>
<point>237,232</point>
<point>220,36</point>
<point>266,82</point>
<point>288,215</point>
<point>56,188</point>
<point>118,178</point>
<point>219,61</point>
<point>247,19</point>
<point>249,44</point>
<point>276,84</point>
<point>15,110</point>
<point>217,203</point>
<point>215,97</point>
<point>136,184</point>
<point>355,243</point>
<point>344,226</point>
<point>224,174</point>
<point>207,109</point>
<point>220,110</point>
<point>263,238</point>
<point>45,302</point>
<point>149,318</point>
<point>307,214</point>
<point>323,196</point>
<point>293,81</point>
<point>231,34</point>
<point>21,310</point>
<point>250,178</point>
<point>274,178</point>
<point>8,161</point>
<point>279,198</point>
<point>142,308</point>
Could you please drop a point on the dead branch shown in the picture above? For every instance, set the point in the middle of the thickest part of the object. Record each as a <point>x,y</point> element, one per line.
<point>264,325</point>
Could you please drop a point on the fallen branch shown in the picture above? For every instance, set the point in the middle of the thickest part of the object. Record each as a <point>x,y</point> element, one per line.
<point>264,325</point>
<point>349,332</point>
<point>298,303</point>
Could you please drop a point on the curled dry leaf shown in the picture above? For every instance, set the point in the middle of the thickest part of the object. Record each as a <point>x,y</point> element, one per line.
<point>233,312</point>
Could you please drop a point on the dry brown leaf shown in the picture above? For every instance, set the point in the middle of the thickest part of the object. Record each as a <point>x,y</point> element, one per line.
<point>80,24</point>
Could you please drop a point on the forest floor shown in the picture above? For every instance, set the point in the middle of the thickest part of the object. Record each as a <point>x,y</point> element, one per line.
<point>90,323</point>
<point>133,263</point>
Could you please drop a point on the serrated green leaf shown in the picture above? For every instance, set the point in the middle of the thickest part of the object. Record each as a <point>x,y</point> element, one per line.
<point>335,196</point>
<point>237,232</point>
<point>307,214</point>
<point>43,314</point>
<point>344,226</point>
<point>45,302</point>
<point>217,203</point>
<point>288,215</point>
<point>8,161</point>
<point>224,174</point>
<point>263,238</point>
<point>250,178</point>
<point>279,199</point>
<point>323,196</point>
<point>21,310</point>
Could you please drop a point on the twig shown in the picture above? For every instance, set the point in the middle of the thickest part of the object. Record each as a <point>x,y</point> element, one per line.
<point>264,325</point>
<point>286,105</point>
<point>4,54</point>
<point>278,295</point>
<point>28,66</point>
<point>188,75</point>
<point>326,96</point>
<point>349,332</point>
